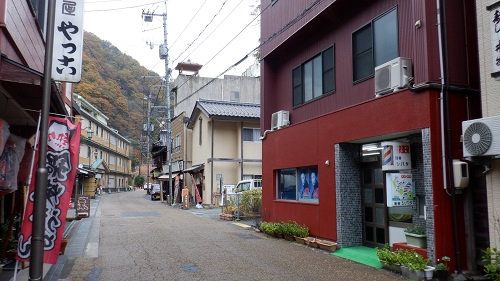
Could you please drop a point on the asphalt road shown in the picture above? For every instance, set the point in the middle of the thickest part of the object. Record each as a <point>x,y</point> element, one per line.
<point>144,240</point>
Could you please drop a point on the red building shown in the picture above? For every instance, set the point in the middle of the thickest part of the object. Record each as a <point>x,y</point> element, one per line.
<point>375,92</point>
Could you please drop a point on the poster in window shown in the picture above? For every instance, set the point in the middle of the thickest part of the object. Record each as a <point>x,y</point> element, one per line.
<point>400,191</point>
<point>308,187</point>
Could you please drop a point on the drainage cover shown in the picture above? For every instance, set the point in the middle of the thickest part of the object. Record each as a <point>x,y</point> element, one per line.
<point>190,267</point>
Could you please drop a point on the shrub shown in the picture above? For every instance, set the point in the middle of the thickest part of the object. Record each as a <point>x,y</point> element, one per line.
<point>386,256</point>
<point>491,259</point>
<point>418,230</point>
<point>251,201</point>
<point>268,227</point>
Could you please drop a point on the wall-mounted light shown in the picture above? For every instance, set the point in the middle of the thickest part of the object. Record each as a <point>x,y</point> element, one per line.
<point>90,133</point>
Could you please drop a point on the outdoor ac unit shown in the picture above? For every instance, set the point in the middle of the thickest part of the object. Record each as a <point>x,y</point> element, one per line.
<point>481,137</point>
<point>391,75</point>
<point>280,119</point>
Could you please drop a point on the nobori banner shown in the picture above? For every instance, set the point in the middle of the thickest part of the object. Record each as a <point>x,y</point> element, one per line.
<point>68,41</point>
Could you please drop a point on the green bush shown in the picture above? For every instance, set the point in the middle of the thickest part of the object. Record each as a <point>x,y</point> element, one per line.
<point>491,259</point>
<point>268,227</point>
<point>411,259</point>
<point>251,201</point>
<point>418,230</point>
<point>386,256</point>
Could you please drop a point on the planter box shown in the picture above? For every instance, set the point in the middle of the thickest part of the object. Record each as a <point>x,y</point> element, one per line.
<point>393,267</point>
<point>405,271</point>
<point>327,245</point>
<point>300,240</point>
<point>312,242</point>
<point>289,237</point>
<point>416,240</point>
<point>429,272</point>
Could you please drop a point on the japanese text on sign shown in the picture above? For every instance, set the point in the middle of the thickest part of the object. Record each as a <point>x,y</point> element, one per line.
<point>68,41</point>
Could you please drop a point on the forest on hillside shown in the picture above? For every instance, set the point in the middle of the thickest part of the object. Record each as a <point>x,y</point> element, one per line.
<point>113,82</point>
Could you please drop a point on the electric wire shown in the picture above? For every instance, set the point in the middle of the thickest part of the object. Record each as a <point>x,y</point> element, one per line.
<point>182,32</point>
<point>206,26</point>
<point>201,43</point>
<point>269,39</point>
<point>123,8</point>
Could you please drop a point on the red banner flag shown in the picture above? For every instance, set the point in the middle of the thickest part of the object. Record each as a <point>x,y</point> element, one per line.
<point>63,145</point>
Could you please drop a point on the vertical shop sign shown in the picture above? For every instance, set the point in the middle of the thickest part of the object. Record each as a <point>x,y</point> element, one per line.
<point>68,41</point>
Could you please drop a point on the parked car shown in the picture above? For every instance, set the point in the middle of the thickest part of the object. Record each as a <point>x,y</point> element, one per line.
<point>245,185</point>
<point>155,192</point>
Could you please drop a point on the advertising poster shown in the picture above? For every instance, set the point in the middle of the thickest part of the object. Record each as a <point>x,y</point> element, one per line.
<point>400,191</point>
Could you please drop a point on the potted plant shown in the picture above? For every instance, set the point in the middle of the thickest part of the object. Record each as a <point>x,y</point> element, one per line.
<point>268,228</point>
<point>403,257</point>
<point>417,264</point>
<point>442,268</point>
<point>416,236</point>
<point>288,230</point>
<point>300,232</point>
<point>388,259</point>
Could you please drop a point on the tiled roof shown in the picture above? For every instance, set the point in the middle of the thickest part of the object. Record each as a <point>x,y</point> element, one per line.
<point>215,108</point>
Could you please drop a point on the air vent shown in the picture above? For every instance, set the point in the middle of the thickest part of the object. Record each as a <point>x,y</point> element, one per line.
<point>481,137</point>
<point>477,138</point>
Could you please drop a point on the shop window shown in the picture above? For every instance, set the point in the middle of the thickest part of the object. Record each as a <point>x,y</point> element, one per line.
<point>374,44</point>
<point>298,184</point>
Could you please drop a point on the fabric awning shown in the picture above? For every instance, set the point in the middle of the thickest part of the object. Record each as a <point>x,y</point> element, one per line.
<point>195,168</point>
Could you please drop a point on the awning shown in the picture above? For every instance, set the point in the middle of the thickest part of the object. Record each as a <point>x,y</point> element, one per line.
<point>195,168</point>
<point>100,162</point>
<point>85,171</point>
<point>20,89</point>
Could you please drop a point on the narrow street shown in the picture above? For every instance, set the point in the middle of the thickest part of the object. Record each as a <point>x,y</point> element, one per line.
<point>144,240</point>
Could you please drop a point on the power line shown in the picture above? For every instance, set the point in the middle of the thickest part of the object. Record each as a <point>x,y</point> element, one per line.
<point>123,8</point>
<point>212,31</point>
<point>189,45</point>
<point>182,32</point>
<point>269,39</point>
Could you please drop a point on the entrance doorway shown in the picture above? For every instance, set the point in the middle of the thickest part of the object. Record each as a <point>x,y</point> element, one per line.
<point>373,196</point>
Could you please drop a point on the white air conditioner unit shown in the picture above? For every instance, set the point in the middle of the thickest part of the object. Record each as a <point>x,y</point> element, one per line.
<point>280,119</point>
<point>481,137</point>
<point>392,75</point>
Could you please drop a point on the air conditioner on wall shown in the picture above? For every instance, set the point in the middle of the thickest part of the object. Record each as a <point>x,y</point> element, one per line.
<point>481,137</point>
<point>280,119</point>
<point>392,75</point>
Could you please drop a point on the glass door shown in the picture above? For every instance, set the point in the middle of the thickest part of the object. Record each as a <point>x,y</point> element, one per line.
<point>375,228</point>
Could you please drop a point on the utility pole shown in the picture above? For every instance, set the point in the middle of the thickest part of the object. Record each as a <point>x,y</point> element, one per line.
<point>148,17</point>
<point>147,139</point>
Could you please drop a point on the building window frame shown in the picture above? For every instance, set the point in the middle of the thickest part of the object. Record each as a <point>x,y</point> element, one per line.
<point>314,78</point>
<point>251,135</point>
<point>290,185</point>
<point>371,48</point>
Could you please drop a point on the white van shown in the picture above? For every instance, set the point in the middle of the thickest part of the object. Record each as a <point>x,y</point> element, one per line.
<point>245,185</point>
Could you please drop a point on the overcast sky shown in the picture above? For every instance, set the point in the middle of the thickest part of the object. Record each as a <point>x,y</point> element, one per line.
<point>220,32</point>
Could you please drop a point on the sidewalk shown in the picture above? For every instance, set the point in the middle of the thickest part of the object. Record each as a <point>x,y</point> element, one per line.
<point>83,241</point>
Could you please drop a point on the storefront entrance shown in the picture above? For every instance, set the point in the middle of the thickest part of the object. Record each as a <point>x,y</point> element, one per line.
<point>373,195</point>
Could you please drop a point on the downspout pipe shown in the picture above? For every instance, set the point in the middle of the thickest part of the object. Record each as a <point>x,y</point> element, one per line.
<point>444,62</point>
<point>212,166</point>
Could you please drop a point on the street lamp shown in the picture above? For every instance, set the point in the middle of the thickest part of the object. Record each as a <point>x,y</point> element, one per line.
<point>90,133</point>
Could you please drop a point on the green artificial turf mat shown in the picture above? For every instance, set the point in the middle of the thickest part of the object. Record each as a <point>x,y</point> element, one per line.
<point>360,254</point>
